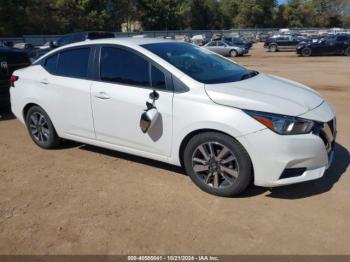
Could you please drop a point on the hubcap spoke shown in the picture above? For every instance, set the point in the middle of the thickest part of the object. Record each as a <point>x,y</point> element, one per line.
<point>198,160</point>
<point>204,152</point>
<point>222,153</point>
<point>207,179</point>
<point>228,159</point>
<point>227,178</point>
<point>211,150</point>
<point>34,119</point>
<point>216,180</point>
<point>200,168</point>
<point>229,171</point>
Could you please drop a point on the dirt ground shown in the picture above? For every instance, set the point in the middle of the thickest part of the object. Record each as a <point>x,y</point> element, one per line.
<point>86,200</point>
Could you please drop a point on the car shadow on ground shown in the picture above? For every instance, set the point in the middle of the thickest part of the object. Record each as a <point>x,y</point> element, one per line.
<point>311,188</point>
<point>297,191</point>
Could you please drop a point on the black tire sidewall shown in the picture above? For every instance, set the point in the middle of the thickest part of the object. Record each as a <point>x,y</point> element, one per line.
<point>53,140</point>
<point>243,159</point>
<point>233,52</point>
<point>273,48</point>
<point>308,54</point>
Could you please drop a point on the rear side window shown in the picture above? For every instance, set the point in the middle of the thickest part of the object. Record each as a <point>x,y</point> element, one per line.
<point>74,63</point>
<point>158,78</point>
<point>343,38</point>
<point>51,64</point>
<point>121,66</point>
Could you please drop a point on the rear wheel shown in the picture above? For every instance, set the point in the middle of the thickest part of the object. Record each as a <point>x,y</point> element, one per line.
<point>347,51</point>
<point>233,53</point>
<point>306,52</point>
<point>218,164</point>
<point>41,129</point>
<point>273,48</point>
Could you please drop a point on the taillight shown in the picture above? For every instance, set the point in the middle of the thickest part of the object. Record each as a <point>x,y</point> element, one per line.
<point>13,79</point>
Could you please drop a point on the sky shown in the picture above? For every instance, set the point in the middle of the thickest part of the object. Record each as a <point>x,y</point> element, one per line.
<point>282,1</point>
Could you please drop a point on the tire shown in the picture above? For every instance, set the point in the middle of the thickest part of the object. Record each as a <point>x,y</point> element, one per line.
<point>306,52</point>
<point>273,48</point>
<point>347,51</point>
<point>41,129</point>
<point>233,53</point>
<point>227,175</point>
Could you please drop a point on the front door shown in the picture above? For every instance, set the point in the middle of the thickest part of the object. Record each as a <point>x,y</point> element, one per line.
<point>118,100</point>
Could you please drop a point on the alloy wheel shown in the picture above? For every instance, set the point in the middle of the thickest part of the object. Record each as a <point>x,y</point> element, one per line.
<point>215,165</point>
<point>39,127</point>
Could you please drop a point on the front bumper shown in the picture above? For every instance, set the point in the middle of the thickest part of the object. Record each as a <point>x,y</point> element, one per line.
<point>271,154</point>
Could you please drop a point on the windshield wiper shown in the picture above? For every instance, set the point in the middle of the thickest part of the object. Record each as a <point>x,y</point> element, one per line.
<point>251,74</point>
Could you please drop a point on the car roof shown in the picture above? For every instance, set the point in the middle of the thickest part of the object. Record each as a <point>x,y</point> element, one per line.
<point>125,41</point>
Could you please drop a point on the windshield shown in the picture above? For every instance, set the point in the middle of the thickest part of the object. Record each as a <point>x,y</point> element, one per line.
<point>199,63</point>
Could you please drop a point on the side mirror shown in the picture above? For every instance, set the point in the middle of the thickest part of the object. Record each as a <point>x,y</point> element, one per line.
<point>148,119</point>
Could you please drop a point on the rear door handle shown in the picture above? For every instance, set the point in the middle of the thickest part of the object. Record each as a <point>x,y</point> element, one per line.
<point>102,95</point>
<point>44,81</point>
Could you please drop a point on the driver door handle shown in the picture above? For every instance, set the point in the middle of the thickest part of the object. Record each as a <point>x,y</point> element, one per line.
<point>102,95</point>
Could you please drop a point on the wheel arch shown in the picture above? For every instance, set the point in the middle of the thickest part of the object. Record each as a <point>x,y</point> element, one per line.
<point>193,133</point>
<point>26,109</point>
<point>30,105</point>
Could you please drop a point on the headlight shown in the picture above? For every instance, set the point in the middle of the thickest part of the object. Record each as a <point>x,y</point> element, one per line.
<point>283,125</point>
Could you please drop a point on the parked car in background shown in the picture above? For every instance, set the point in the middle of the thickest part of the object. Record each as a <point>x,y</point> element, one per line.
<point>175,102</point>
<point>10,60</point>
<point>225,48</point>
<point>283,42</point>
<point>73,38</point>
<point>199,40</point>
<point>331,45</point>
<point>81,36</point>
<point>33,52</point>
<point>239,42</point>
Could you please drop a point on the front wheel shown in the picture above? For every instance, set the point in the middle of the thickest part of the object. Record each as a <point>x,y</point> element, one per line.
<point>218,164</point>
<point>41,129</point>
<point>306,52</point>
<point>273,48</point>
<point>233,53</point>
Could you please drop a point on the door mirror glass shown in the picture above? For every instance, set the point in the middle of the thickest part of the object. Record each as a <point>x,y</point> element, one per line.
<point>148,119</point>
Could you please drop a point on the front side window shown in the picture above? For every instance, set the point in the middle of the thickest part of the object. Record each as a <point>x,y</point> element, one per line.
<point>73,63</point>
<point>122,66</point>
<point>157,78</point>
<point>199,63</point>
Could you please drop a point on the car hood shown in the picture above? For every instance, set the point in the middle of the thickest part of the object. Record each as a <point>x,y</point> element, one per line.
<point>266,93</point>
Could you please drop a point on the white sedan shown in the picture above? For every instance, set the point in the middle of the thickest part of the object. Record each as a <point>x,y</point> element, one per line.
<point>181,104</point>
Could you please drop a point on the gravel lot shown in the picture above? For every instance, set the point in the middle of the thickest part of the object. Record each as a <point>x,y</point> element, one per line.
<point>86,200</point>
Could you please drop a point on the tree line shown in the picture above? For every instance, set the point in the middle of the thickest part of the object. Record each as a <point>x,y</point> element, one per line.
<point>18,17</point>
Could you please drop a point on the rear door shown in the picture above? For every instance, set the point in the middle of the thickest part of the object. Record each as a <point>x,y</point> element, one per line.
<point>119,95</point>
<point>66,90</point>
<point>342,43</point>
